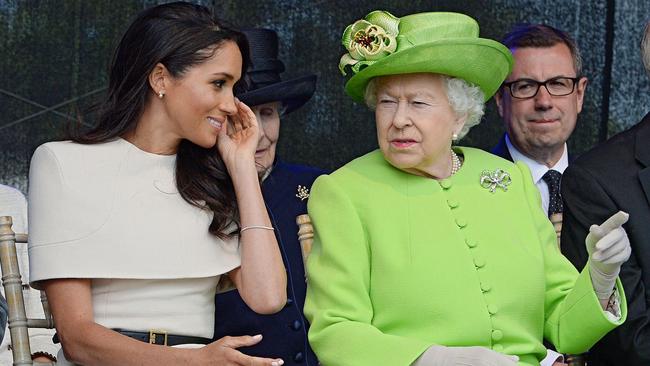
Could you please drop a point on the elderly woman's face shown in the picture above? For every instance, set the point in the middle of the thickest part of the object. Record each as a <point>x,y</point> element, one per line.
<point>268,117</point>
<point>415,122</point>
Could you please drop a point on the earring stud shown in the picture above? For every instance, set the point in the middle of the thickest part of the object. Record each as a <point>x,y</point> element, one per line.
<point>161,94</point>
<point>454,137</point>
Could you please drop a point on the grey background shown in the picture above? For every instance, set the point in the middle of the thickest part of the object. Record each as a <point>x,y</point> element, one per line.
<point>54,56</point>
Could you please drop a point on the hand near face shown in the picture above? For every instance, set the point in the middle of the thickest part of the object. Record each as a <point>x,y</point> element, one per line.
<point>238,138</point>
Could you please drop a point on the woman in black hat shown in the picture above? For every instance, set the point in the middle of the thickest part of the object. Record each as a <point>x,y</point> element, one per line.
<point>286,189</point>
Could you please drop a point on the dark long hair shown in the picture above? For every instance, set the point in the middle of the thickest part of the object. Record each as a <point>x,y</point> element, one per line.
<point>178,35</point>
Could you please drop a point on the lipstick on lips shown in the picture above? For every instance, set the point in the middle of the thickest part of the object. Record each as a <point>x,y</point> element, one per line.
<point>402,143</point>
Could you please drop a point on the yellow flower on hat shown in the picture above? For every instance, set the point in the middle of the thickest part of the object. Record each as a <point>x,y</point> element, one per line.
<point>368,40</point>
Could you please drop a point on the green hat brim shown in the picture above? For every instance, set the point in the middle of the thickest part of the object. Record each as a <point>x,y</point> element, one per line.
<point>482,62</point>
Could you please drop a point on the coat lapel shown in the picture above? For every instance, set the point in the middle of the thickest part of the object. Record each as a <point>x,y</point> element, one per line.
<point>642,153</point>
<point>501,149</point>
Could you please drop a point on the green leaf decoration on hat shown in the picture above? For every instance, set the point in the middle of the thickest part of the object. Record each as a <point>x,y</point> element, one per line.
<point>368,40</point>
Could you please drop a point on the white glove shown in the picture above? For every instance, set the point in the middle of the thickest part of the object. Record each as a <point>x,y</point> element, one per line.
<point>608,248</point>
<point>464,356</point>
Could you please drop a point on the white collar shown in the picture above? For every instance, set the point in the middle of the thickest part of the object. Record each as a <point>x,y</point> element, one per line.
<point>538,169</point>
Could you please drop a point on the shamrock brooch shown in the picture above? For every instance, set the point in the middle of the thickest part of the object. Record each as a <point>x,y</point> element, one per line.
<point>496,179</point>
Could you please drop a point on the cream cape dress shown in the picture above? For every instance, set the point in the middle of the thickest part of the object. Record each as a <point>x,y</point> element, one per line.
<point>111,212</point>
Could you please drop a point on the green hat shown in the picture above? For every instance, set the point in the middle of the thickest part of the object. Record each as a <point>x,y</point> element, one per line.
<point>441,43</point>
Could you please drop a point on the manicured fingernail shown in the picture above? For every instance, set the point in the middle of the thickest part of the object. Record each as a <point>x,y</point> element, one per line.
<point>277,363</point>
<point>257,336</point>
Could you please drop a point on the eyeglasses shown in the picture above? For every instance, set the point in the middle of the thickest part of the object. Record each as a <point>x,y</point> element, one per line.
<point>528,88</point>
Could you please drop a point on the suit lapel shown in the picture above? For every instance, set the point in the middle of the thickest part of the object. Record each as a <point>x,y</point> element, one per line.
<point>502,149</point>
<point>642,153</point>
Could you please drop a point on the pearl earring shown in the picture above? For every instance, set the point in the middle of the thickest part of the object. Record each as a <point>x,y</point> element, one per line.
<point>161,94</point>
<point>454,136</point>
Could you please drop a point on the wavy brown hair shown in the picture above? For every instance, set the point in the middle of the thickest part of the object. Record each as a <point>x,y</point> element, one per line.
<point>178,35</point>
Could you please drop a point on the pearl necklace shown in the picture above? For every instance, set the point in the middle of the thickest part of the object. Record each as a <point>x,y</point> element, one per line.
<point>455,163</point>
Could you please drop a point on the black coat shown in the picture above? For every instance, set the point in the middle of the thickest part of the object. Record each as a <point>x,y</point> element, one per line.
<point>615,176</point>
<point>285,333</point>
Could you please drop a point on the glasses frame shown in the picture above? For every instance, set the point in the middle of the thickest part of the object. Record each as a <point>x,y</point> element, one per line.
<point>543,83</point>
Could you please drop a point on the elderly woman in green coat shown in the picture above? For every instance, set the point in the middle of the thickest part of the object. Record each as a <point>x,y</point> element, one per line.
<point>430,255</point>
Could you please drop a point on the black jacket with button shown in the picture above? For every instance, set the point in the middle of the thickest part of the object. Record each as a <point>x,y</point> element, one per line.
<point>615,176</point>
<point>285,333</point>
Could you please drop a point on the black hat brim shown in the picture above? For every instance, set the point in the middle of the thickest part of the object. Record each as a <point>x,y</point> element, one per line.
<point>292,93</point>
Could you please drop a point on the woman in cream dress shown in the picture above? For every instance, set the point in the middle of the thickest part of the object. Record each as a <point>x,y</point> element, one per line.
<point>134,222</point>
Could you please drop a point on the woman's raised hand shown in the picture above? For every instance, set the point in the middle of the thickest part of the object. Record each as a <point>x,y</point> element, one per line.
<point>608,247</point>
<point>224,352</point>
<point>238,138</point>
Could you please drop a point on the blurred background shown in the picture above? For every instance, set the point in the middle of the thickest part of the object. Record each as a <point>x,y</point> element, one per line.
<point>54,55</point>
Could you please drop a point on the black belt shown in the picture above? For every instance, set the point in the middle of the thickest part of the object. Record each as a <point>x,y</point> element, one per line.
<point>156,337</point>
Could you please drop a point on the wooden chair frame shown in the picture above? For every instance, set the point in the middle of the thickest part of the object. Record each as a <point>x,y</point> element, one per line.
<point>13,286</point>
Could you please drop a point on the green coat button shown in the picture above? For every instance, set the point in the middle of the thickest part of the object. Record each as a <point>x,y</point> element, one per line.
<point>445,183</point>
<point>479,262</point>
<point>497,335</point>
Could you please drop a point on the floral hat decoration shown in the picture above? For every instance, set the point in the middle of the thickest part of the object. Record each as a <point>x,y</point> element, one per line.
<point>436,42</point>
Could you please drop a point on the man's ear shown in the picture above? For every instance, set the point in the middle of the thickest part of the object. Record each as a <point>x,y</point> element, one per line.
<point>159,79</point>
<point>581,87</point>
<point>498,99</point>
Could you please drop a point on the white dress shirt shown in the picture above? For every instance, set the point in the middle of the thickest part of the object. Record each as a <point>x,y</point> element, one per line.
<point>538,170</point>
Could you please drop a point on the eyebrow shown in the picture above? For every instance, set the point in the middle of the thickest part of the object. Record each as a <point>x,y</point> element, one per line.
<point>223,74</point>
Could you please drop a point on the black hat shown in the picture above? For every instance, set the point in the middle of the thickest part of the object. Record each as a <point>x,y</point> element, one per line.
<point>262,79</point>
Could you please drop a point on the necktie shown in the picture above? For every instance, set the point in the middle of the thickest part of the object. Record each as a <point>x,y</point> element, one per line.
<point>553,179</point>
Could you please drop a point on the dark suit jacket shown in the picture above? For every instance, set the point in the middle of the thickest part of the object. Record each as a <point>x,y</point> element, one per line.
<point>285,333</point>
<point>615,176</point>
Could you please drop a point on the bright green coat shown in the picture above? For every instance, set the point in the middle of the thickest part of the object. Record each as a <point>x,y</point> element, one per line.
<point>401,262</point>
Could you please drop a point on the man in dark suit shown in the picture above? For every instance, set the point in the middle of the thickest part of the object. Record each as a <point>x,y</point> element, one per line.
<point>616,176</point>
<point>285,189</point>
<point>539,103</point>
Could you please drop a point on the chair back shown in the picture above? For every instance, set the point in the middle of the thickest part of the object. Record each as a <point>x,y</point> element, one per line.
<point>305,235</point>
<point>13,286</point>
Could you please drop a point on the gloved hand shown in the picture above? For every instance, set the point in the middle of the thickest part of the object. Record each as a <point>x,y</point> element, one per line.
<point>464,356</point>
<point>608,248</point>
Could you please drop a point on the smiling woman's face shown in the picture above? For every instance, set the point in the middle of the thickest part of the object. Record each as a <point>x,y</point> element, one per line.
<point>415,122</point>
